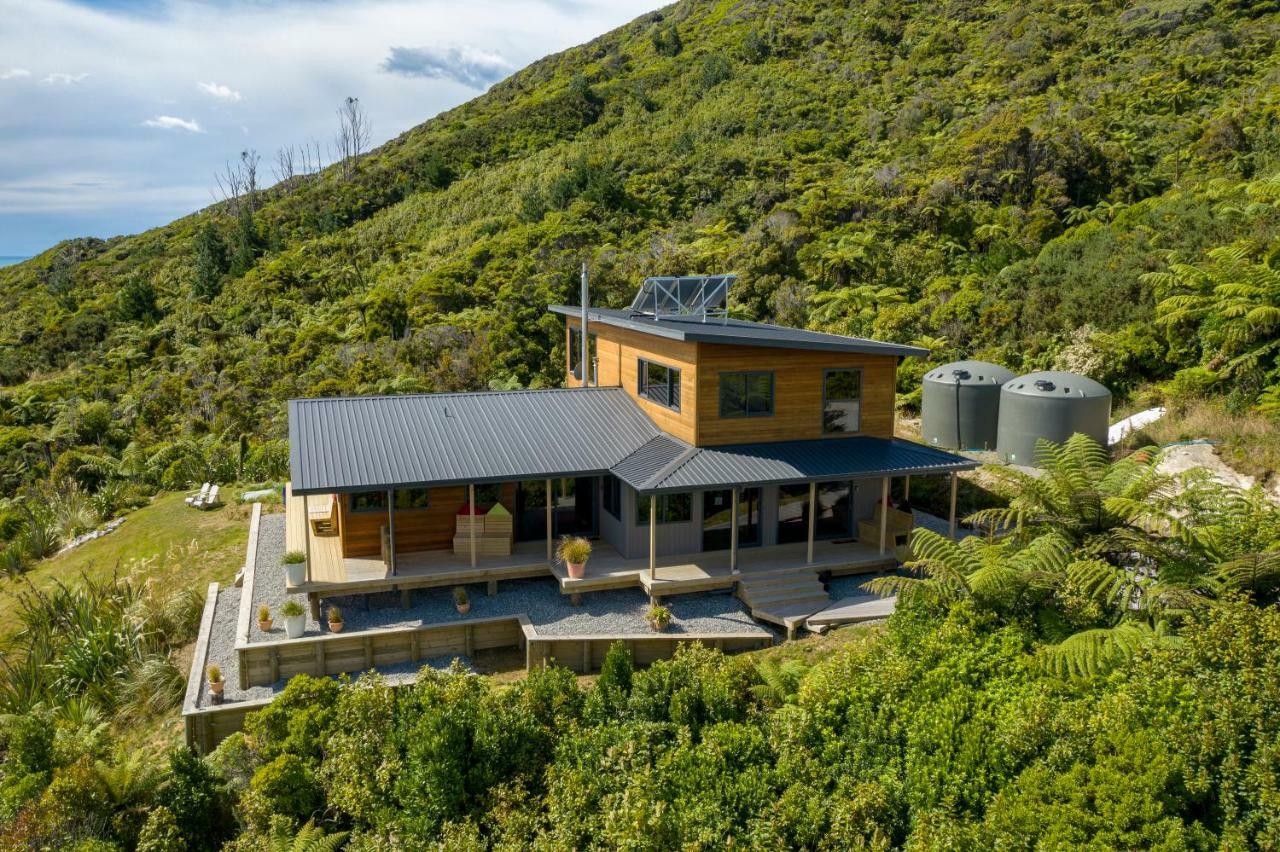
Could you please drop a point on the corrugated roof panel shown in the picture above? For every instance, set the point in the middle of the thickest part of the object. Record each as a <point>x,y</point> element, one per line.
<point>801,461</point>
<point>358,443</point>
<point>650,460</point>
<point>738,332</point>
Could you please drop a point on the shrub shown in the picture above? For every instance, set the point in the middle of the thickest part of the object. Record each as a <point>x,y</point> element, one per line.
<point>196,797</point>
<point>658,616</point>
<point>160,833</point>
<point>288,787</point>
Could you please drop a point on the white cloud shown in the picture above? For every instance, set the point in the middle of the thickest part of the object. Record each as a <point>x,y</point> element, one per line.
<point>14,73</point>
<point>470,66</point>
<point>61,78</point>
<point>304,57</point>
<point>219,91</point>
<point>170,122</point>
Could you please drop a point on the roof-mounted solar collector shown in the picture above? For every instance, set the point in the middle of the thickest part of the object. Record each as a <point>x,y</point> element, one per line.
<point>705,296</point>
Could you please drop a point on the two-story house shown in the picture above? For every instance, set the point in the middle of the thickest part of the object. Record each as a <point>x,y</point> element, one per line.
<point>698,449</point>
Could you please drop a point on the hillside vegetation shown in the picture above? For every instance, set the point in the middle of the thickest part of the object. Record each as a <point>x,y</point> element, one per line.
<point>1024,182</point>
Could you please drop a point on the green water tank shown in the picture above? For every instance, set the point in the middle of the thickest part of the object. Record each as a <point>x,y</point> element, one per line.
<point>1051,405</point>
<point>960,405</point>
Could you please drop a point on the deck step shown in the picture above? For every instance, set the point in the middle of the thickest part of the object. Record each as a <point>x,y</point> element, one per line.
<point>784,597</point>
<point>758,597</point>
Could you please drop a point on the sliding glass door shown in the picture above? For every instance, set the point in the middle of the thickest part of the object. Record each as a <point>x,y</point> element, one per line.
<point>717,518</point>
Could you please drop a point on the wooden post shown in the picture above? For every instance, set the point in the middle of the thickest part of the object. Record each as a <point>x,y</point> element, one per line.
<point>884,513</point>
<point>906,490</point>
<point>733,533</point>
<point>550,517</point>
<point>306,534</point>
<point>813,516</point>
<point>653,537</point>
<point>955,487</point>
<point>471,500</point>
<point>391,534</point>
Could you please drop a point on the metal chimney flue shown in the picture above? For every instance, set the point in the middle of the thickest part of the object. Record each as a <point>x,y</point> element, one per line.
<point>583,364</point>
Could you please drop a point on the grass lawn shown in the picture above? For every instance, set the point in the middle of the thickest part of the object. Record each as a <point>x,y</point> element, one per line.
<point>166,541</point>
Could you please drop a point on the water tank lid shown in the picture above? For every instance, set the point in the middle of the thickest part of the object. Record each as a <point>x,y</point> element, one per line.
<point>969,373</point>
<point>1056,383</point>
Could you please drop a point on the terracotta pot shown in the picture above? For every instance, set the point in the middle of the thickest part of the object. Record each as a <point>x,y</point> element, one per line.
<point>465,608</point>
<point>577,570</point>
<point>335,626</point>
<point>265,626</point>
<point>216,688</point>
<point>658,628</point>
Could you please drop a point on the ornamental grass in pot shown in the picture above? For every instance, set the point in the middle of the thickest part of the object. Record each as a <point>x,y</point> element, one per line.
<point>295,567</point>
<point>460,600</point>
<point>335,620</point>
<point>573,552</point>
<point>295,619</point>
<point>264,618</point>
<point>216,683</point>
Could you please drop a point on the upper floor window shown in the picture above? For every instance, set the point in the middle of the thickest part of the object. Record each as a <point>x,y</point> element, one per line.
<point>841,400</point>
<point>746,394</point>
<point>575,353</point>
<point>659,383</point>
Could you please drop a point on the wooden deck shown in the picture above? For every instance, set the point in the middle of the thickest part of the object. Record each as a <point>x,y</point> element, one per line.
<point>700,572</point>
<point>331,574</point>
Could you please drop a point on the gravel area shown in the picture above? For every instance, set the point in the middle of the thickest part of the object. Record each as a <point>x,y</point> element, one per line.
<point>551,613</point>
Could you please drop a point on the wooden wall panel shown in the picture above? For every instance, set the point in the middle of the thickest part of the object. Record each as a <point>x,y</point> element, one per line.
<point>618,351</point>
<point>431,528</point>
<point>797,393</point>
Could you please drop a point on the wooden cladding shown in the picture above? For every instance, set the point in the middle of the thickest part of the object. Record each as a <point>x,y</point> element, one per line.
<point>618,355</point>
<point>797,386</point>
<point>431,528</point>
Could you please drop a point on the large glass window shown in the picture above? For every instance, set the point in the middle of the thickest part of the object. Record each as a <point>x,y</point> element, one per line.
<point>717,517</point>
<point>672,508</point>
<point>793,513</point>
<point>611,495</point>
<point>659,383</point>
<point>746,394</point>
<point>841,400</point>
<point>575,353</point>
<point>368,501</point>
<point>413,498</point>
<point>835,510</point>
<point>488,494</point>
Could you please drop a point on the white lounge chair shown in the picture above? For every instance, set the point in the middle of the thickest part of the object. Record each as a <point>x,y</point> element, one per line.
<point>211,499</point>
<point>197,500</point>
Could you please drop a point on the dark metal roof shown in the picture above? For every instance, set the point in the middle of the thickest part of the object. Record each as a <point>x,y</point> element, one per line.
<point>373,443</point>
<point>781,462</point>
<point>651,460</point>
<point>738,332</point>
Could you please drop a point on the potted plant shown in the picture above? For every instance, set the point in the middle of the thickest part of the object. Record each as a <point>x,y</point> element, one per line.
<point>573,552</point>
<point>215,682</point>
<point>264,618</point>
<point>460,600</point>
<point>295,619</point>
<point>295,567</point>
<point>335,620</point>
<point>658,617</point>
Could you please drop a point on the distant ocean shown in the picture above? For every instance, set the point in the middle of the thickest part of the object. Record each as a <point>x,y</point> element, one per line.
<point>11,259</point>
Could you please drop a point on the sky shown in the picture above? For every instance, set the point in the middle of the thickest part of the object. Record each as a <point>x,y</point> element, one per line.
<point>116,114</point>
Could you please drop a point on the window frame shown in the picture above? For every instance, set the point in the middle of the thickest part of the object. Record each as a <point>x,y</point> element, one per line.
<point>746,375</point>
<point>426,492</point>
<point>642,510</point>
<point>826,373</point>
<point>642,373</point>
<point>611,495</point>
<point>366,510</point>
